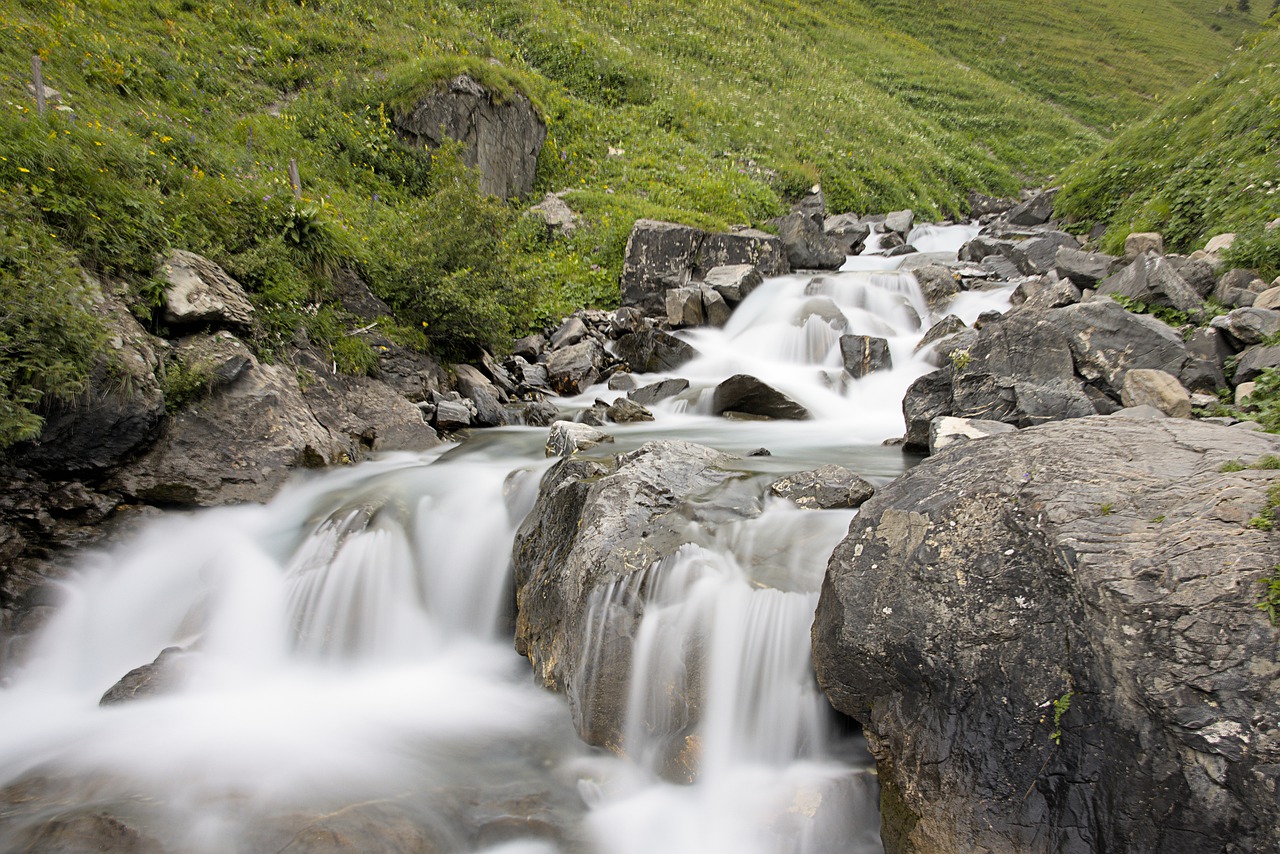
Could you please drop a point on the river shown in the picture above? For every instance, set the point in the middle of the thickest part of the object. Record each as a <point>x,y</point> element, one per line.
<point>348,679</point>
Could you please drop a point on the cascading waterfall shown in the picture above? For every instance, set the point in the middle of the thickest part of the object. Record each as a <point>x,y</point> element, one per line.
<point>342,653</point>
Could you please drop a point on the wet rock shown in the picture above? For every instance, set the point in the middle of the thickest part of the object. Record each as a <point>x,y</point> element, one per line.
<point>827,487</point>
<point>566,437</point>
<point>89,833</point>
<point>807,245</point>
<point>161,676</point>
<point>1084,269</point>
<point>653,351</point>
<point>848,232</point>
<point>1145,387</point>
<point>540,413</point>
<point>597,524</point>
<point>733,282</point>
<point>487,398</point>
<point>199,293</point>
<point>452,415</point>
<point>743,394</point>
<point>572,369</point>
<point>1051,639</point>
<point>1034,211</point>
<point>662,255</point>
<point>949,325</point>
<point>621,381</point>
<point>595,415</point>
<point>1106,341</point>
<point>684,307</point>
<point>946,431</point>
<point>1249,325</point>
<point>938,284</point>
<point>863,354</point>
<point>502,138</point>
<point>927,398</point>
<point>654,392</point>
<point>627,411</point>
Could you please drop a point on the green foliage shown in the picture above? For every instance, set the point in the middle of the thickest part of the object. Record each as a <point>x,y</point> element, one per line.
<point>1060,708</point>
<point>1256,248</point>
<point>1264,403</point>
<point>1204,163</point>
<point>1231,466</point>
<point>182,384</point>
<point>49,335</point>
<point>1266,518</point>
<point>1270,601</point>
<point>1106,508</point>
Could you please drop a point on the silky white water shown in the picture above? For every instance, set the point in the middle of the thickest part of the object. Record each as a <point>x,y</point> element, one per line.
<point>345,651</point>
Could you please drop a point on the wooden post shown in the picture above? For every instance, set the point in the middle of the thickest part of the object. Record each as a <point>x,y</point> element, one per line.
<point>295,179</point>
<point>37,74</point>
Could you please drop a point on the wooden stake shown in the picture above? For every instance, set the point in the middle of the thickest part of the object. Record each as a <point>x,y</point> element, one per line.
<point>37,74</point>
<point>295,179</point>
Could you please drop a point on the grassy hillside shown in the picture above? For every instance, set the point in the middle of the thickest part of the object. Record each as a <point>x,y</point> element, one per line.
<point>178,119</point>
<point>1206,162</point>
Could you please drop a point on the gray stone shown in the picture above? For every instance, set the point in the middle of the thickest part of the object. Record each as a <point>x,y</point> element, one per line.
<point>162,676</point>
<point>714,308</point>
<point>502,138</point>
<point>1051,640</point>
<point>946,430</point>
<point>1034,211</point>
<point>1153,281</point>
<point>938,284</point>
<point>1268,299</point>
<point>1041,251</point>
<point>529,347</point>
<point>684,307</point>
<point>1239,288</point>
<point>807,246</point>
<point>200,293</point>
<point>849,233</point>
<point>570,370</point>
<point>949,325</point>
<point>1106,341</point>
<point>570,332</point>
<point>1249,325</point>
<point>743,394</point>
<point>926,399</point>
<point>1043,292</point>
<point>981,205</point>
<point>900,221</point>
<point>627,411</point>
<point>733,282</point>
<point>1196,273</point>
<point>653,351</point>
<point>540,413</point>
<point>452,415</point>
<point>555,214</point>
<point>863,354</point>
<point>1255,360</point>
<point>1084,269</point>
<point>621,381</point>
<point>1146,387</point>
<point>1140,243</point>
<point>827,487</point>
<point>654,392</point>
<point>566,437</point>
<point>485,395</point>
<point>1207,352</point>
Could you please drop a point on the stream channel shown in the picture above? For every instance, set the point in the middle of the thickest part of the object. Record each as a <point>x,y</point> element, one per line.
<point>349,678</point>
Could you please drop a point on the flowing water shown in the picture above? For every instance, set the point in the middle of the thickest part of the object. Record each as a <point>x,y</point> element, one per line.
<point>344,667</point>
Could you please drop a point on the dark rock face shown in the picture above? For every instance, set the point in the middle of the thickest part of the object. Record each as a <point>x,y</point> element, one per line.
<point>1152,280</point>
<point>595,523</point>
<point>1051,640</point>
<point>654,392</point>
<point>662,255</point>
<point>807,245</point>
<point>160,676</point>
<point>863,354</point>
<point>571,369</point>
<point>745,395</point>
<point>1106,341</point>
<point>1035,211</point>
<point>652,350</point>
<point>926,399</point>
<point>1085,269</point>
<point>501,139</point>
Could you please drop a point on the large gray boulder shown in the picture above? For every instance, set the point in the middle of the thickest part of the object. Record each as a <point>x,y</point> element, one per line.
<point>743,394</point>
<point>572,369</point>
<point>1153,281</point>
<point>663,255</point>
<point>652,350</point>
<point>502,138</point>
<point>807,245</point>
<point>1052,642</point>
<point>199,293</point>
<point>489,400</point>
<point>596,524</point>
<point>1106,341</point>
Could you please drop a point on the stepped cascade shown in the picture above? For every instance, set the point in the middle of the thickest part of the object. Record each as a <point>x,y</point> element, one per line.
<point>339,661</point>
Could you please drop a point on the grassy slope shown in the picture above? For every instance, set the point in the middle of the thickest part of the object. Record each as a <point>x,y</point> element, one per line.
<point>1205,162</point>
<point>713,113</point>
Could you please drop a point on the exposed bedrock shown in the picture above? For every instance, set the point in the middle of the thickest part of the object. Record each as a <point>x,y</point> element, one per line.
<point>1052,640</point>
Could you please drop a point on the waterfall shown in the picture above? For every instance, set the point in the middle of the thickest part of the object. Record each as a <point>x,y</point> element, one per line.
<point>340,660</point>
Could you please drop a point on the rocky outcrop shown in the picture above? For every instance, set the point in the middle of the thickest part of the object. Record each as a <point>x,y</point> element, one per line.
<point>596,524</point>
<point>807,245</point>
<point>500,137</point>
<point>663,255</point>
<point>199,293</point>
<point>1051,639</point>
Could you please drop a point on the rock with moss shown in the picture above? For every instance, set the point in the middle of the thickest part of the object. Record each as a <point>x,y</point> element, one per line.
<point>1052,641</point>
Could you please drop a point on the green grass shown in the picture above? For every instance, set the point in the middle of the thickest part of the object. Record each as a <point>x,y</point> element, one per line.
<point>180,117</point>
<point>1205,163</point>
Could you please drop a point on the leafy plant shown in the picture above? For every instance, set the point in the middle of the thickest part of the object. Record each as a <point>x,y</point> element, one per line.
<point>1270,601</point>
<point>182,384</point>
<point>1060,708</point>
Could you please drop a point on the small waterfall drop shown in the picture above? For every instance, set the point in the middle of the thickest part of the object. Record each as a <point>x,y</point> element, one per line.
<point>341,658</point>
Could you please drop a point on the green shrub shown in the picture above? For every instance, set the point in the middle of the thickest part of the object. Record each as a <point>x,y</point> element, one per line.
<point>1256,248</point>
<point>49,335</point>
<point>182,384</point>
<point>1270,601</point>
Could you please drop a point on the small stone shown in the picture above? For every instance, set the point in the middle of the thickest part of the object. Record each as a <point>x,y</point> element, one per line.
<point>828,487</point>
<point>627,411</point>
<point>566,437</point>
<point>1142,242</point>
